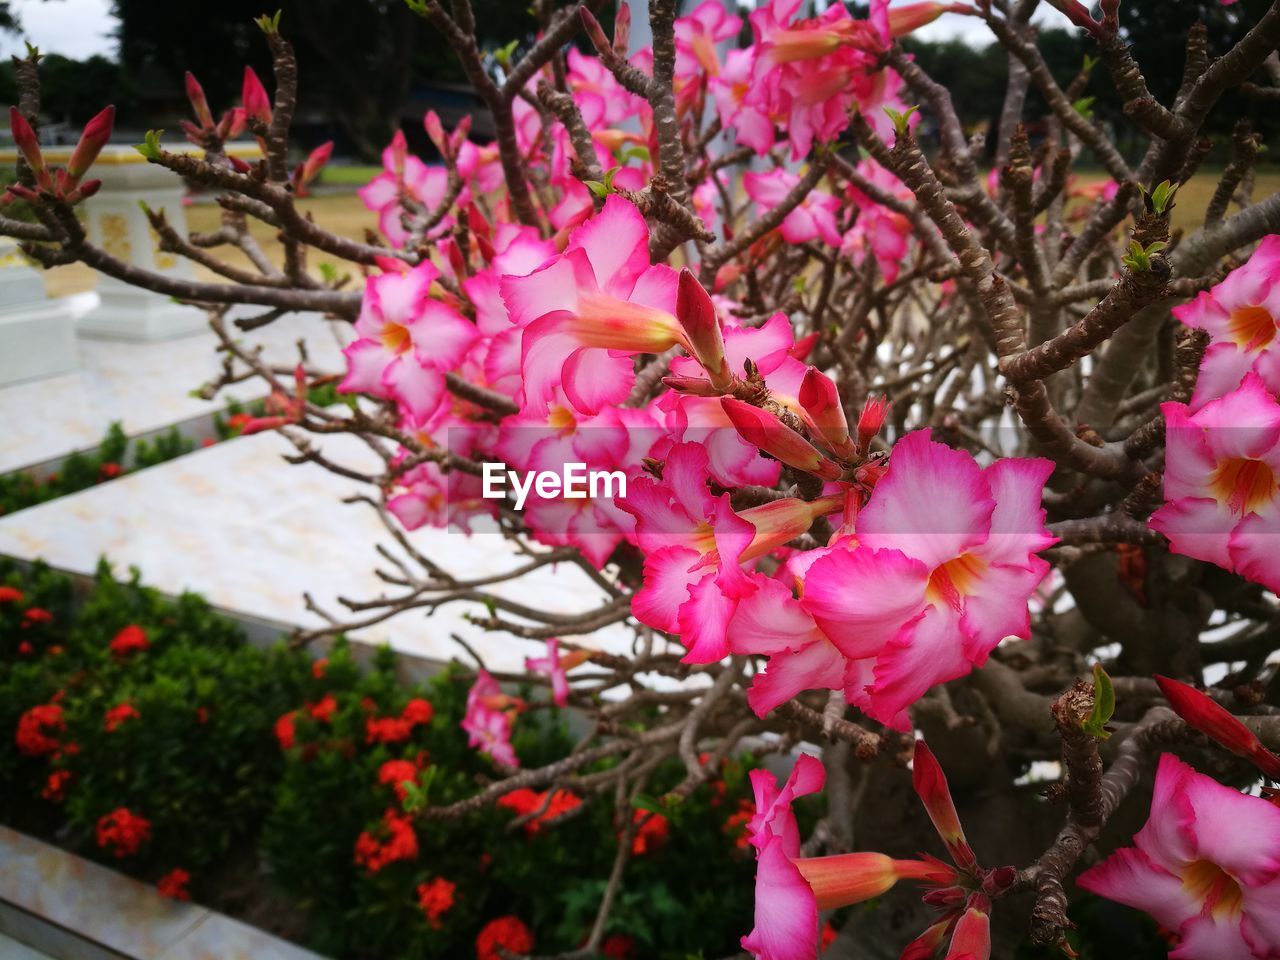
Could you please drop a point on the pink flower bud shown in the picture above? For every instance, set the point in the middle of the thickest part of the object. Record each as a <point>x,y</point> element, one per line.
<point>595,32</point>
<point>435,130</point>
<point>971,939</point>
<point>199,104</point>
<point>1202,713</point>
<point>850,878</point>
<point>460,134</point>
<point>239,165</point>
<point>254,97</point>
<point>925,946</point>
<point>930,784</point>
<point>697,316</point>
<point>399,148</point>
<point>820,400</point>
<point>95,136</point>
<point>870,421</point>
<point>232,124</point>
<point>311,167</point>
<point>693,386</point>
<point>765,431</point>
<point>622,29</point>
<point>911,16</point>
<point>26,140</point>
<point>83,192</point>
<point>1078,14</point>
<point>22,193</point>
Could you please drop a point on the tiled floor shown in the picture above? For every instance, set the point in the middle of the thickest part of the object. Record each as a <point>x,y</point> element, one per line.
<point>252,533</point>
<point>144,385</point>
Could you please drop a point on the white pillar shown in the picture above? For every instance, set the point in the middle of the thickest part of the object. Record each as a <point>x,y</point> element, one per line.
<point>37,335</point>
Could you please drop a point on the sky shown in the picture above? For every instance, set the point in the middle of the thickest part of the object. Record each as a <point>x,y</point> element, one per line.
<point>81,28</point>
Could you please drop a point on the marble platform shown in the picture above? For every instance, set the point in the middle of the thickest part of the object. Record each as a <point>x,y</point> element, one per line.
<point>146,386</point>
<point>76,910</point>
<point>252,533</point>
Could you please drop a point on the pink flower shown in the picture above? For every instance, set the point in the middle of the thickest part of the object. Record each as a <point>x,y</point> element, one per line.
<point>1242,317</point>
<point>737,107</point>
<point>1206,865</point>
<point>944,565</point>
<point>878,231</point>
<point>697,34</point>
<point>554,666</point>
<point>489,718</point>
<point>407,342</point>
<point>695,544</point>
<point>586,311</point>
<point>405,178</point>
<point>813,219</point>
<point>1222,495</point>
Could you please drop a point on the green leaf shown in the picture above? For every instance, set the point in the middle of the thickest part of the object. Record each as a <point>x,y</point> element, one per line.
<point>637,152</point>
<point>608,178</point>
<point>503,56</point>
<point>1104,705</point>
<point>269,24</point>
<point>417,6</point>
<point>150,147</point>
<point>1089,64</point>
<point>1084,107</point>
<point>598,188</point>
<point>1161,197</point>
<point>900,119</point>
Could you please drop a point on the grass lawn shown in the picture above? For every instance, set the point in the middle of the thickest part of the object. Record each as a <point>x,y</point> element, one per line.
<point>346,215</point>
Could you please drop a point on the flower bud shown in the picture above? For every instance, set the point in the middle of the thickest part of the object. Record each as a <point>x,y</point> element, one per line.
<point>595,32</point>
<point>692,386</point>
<point>253,95</point>
<point>435,130</point>
<point>870,421</point>
<point>232,124</point>
<point>820,401</point>
<point>849,878</point>
<point>971,939</point>
<point>27,142</point>
<point>199,105</point>
<point>95,136</point>
<point>779,441</point>
<point>310,168</point>
<point>697,316</point>
<point>621,29</point>
<point>925,946</point>
<point>1202,713</point>
<point>930,784</point>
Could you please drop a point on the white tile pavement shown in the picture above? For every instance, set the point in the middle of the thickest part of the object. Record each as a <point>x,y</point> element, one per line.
<point>251,533</point>
<point>146,386</point>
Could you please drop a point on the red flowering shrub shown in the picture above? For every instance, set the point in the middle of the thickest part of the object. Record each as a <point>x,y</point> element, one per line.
<point>435,897</point>
<point>131,639</point>
<point>36,615</point>
<point>549,806</point>
<point>38,729</point>
<point>508,933</point>
<point>393,839</point>
<point>119,714</point>
<point>174,884</point>
<point>396,773</point>
<point>10,594</point>
<point>652,833</point>
<point>122,832</point>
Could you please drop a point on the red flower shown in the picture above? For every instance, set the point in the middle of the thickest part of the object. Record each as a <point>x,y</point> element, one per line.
<point>436,899</point>
<point>397,773</point>
<point>237,420</point>
<point>25,649</point>
<point>110,470</point>
<point>525,801</point>
<point>736,824</point>
<point>132,639</point>
<point>387,729</point>
<point>827,937</point>
<point>418,711</point>
<point>10,595</point>
<point>55,788</point>
<point>174,884</point>
<point>123,831</point>
<point>618,946</point>
<point>118,715</point>
<point>38,729</point>
<point>284,731</point>
<point>202,715</point>
<point>34,615</point>
<point>401,843</point>
<point>322,710</point>
<point>319,667</point>
<point>509,933</point>
<point>654,828</point>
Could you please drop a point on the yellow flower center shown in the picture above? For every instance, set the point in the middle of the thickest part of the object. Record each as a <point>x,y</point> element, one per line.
<point>1210,884</point>
<point>1243,485</point>
<point>1252,328</point>
<point>395,337</point>
<point>954,580</point>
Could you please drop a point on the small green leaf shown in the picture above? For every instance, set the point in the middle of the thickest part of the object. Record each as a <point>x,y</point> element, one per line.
<point>417,6</point>
<point>1089,64</point>
<point>503,56</point>
<point>598,188</point>
<point>608,178</point>
<point>1104,705</point>
<point>637,152</point>
<point>900,120</point>
<point>1161,197</point>
<point>1084,107</point>
<point>150,147</point>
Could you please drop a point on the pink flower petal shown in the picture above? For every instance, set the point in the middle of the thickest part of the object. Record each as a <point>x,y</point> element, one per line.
<point>863,598</point>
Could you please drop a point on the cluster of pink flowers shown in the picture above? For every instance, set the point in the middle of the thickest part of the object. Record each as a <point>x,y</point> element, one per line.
<point>489,719</point>
<point>1222,465</point>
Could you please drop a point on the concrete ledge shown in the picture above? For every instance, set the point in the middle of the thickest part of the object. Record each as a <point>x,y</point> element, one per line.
<point>37,339</point>
<point>72,909</point>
